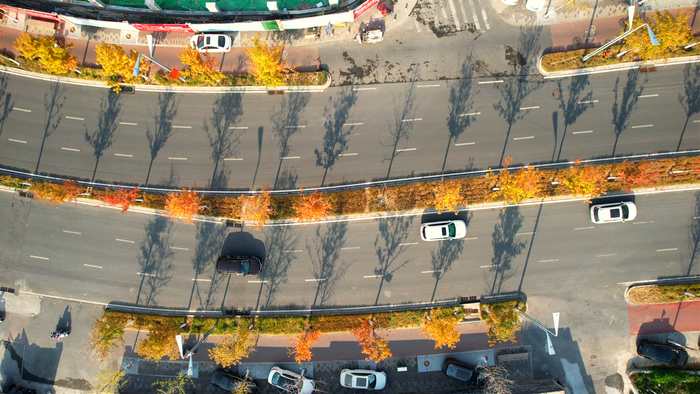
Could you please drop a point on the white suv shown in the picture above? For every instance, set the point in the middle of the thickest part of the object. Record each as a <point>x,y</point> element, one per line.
<point>615,212</point>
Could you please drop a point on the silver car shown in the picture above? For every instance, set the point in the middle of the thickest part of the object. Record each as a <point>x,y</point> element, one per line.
<point>615,212</point>
<point>211,43</point>
<point>362,379</point>
<point>441,231</point>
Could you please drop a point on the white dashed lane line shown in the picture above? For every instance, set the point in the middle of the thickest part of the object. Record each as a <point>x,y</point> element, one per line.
<point>667,250</point>
<point>408,243</point>
<point>145,274</point>
<point>430,271</point>
<point>352,124</point>
<point>294,127</point>
<point>582,132</point>
<point>233,159</point>
<point>487,82</point>
<point>347,154</point>
<point>93,266</point>
<point>528,108</point>
<point>123,155</point>
<point>357,89</point>
<point>38,257</point>
<point>127,124</point>
<point>72,232</point>
<point>549,261</point>
<point>470,239</point>
<point>372,276</point>
<point>406,150</point>
<point>648,95</point>
<point>124,240</point>
<point>74,118</point>
<point>607,255</point>
<point>177,158</point>
<point>21,109</point>
<point>465,143</point>
<point>430,86</point>
<point>350,248</point>
<point>176,248</point>
<point>182,127</point>
<point>524,138</point>
<point>470,114</point>
<point>315,280</point>
<point>293,251</point>
<point>17,141</point>
<point>238,127</point>
<point>583,228</point>
<point>412,120</point>
<point>642,126</point>
<point>201,280</point>
<point>71,149</point>
<point>588,102</point>
<point>290,157</point>
<point>257,281</point>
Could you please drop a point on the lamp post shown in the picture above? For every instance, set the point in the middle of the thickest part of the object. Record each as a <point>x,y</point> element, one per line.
<point>174,74</point>
<point>630,12</point>
<point>690,294</point>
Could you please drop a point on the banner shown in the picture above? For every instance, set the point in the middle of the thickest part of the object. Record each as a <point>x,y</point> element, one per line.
<point>364,7</point>
<point>36,14</point>
<point>163,28</point>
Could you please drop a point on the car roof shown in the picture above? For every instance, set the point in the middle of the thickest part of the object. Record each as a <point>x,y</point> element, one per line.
<point>658,352</point>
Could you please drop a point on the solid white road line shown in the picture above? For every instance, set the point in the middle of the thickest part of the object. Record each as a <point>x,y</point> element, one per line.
<point>177,158</point>
<point>607,255</point>
<point>200,280</point>
<point>238,127</point>
<point>527,108</point>
<point>666,250</point>
<point>19,141</point>
<point>353,124</point>
<point>648,95</point>
<point>485,82</point>
<point>583,228</point>
<point>524,138</point>
<point>182,127</point>
<point>549,261</point>
<point>71,232</point>
<point>315,280</point>
<point>38,257</point>
<point>233,158</point>
<point>588,102</point>
<point>406,150</point>
<point>124,240</point>
<point>470,114</point>
<point>21,110</point>
<point>74,118</point>
<point>176,248</point>
<point>347,154</point>
<point>465,143</point>
<point>71,149</point>
<point>350,248</point>
<point>412,120</point>
<point>372,276</point>
<point>123,155</point>
<point>290,157</point>
<point>127,124</point>
<point>433,86</point>
<point>582,132</point>
<point>92,266</point>
<point>642,126</point>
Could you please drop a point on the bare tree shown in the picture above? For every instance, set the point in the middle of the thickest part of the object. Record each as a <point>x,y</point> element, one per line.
<point>495,379</point>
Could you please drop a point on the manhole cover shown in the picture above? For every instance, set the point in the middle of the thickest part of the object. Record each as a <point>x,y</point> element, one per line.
<point>284,55</point>
<point>426,363</point>
<point>577,41</point>
<point>556,93</point>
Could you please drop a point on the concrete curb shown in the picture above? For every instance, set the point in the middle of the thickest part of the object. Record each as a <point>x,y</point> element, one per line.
<point>660,282</point>
<point>614,67</point>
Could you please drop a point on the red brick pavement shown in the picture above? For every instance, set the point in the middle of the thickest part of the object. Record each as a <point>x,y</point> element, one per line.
<point>664,318</point>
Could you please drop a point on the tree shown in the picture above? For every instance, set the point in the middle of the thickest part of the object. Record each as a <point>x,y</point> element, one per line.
<point>119,66</point>
<point>122,198</point>
<point>159,343</point>
<point>110,381</point>
<point>106,333</point>
<point>200,65</point>
<point>183,205</point>
<point>495,379</point>
<point>447,196</point>
<point>441,327</point>
<point>266,63</point>
<point>176,385</point>
<point>51,56</point>
<point>374,346</point>
<point>516,187</point>
<point>56,193</point>
<point>312,207</point>
<point>502,321</point>
<point>302,344</point>
<point>639,174</point>
<point>673,33</point>
<point>586,181</point>
<point>234,347</point>
<point>256,209</point>
<point>247,386</point>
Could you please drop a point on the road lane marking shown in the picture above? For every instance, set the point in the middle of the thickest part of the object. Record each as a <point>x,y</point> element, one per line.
<point>527,108</point>
<point>71,149</point>
<point>347,154</point>
<point>488,266</point>
<point>524,138</point>
<point>38,257</point>
<point>485,82</point>
<point>124,240</point>
<point>408,243</point>
<point>293,251</point>
<point>21,109</point>
<point>430,86</point>
<point>295,127</point>
<point>549,261</point>
<point>356,89</point>
<point>470,239</point>
<point>696,121</point>
<point>200,280</point>
<point>257,281</point>
<point>315,280</point>
<point>127,124</point>
<point>642,126</point>
<point>430,271</point>
<point>667,250</point>
<point>372,276</point>
<point>642,222</point>
<point>486,19</point>
<point>74,118</point>
<point>582,132</point>
<point>470,114</point>
<point>406,150</point>
<point>176,248</point>
<point>353,124</point>
<point>19,141</point>
<point>72,232</point>
<point>92,266</point>
<point>588,102</point>
<point>530,233</point>
<point>145,274</point>
<point>607,255</point>
<point>350,248</point>
<point>412,120</point>
<point>583,228</point>
<point>649,95</point>
<point>177,158</point>
<point>465,143</point>
<point>182,127</point>
<point>233,158</point>
<point>238,127</point>
<point>290,157</point>
<point>123,155</point>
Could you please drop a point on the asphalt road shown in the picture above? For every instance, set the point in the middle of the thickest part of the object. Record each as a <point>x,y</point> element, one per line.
<point>97,254</point>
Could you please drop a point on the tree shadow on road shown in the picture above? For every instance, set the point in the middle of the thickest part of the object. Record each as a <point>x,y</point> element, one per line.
<point>287,122</point>
<point>691,100</point>
<point>335,141</point>
<point>280,246</point>
<point>326,267</point>
<point>442,258</point>
<point>209,238</point>
<point>222,134</point>
<point>693,236</point>
<point>53,102</point>
<point>404,112</point>
<point>461,103</point>
<point>624,104</point>
<point>573,107</point>
<point>154,260</point>
<point>107,121</point>
<point>168,104</point>
<point>505,247</point>
<point>6,102</point>
<point>389,246</point>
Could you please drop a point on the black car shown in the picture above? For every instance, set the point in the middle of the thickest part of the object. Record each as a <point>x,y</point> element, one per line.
<point>239,265</point>
<point>229,382</point>
<point>460,371</point>
<point>662,353</point>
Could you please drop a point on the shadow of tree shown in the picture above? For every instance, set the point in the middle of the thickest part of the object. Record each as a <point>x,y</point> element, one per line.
<point>691,100</point>
<point>514,90</point>
<point>324,251</point>
<point>335,141</point>
<point>53,102</point>
<point>280,253</point>
<point>168,104</point>
<point>572,108</point>
<point>154,265</point>
<point>442,258</point>
<point>107,121</point>
<point>401,130</point>
<point>624,105</point>
<point>287,122</point>
<point>461,102</point>
<point>389,245</point>
<point>209,238</point>
<point>694,235</point>
<point>505,246</point>
<point>222,134</point>
<point>6,104</point>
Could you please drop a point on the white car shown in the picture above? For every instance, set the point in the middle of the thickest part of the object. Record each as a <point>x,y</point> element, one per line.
<point>615,212</point>
<point>362,379</point>
<point>211,43</point>
<point>441,231</point>
<point>509,2</point>
<point>534,5</point>
<point>290,381</point>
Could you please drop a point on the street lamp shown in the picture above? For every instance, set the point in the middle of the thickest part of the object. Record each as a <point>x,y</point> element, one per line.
<point>630,12</point>
<point>173,73</point>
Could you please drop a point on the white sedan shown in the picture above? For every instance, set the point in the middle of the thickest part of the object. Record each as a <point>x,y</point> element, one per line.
<point>440,231</point>
<point>290,381</point>
<point>211,43</point>
<point>615,212</point>
<point>362,379</point>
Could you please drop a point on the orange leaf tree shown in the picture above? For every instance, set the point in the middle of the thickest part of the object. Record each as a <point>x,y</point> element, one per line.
<point>303,343</point>
<point>312,207</point>
<point>52,56</point>
<point>256,209</point>
<point>639,174</point>
<point>200,65</point>
<point>375,347</point>
<point>122,198</point>
<point>183,205</point>
<point>516,187</point>
<point>266,63</point>
<point>447,196</point>
<point>441,327</point>
<point>118,65</point>
<point>586,181</point>
<point>56,193</point>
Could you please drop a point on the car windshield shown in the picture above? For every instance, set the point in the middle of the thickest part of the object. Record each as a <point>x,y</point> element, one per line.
<point>452,228</point>
<point>625,211</point>
<point>372,381</point>
<point>281,381</point>
<point>245,267</point>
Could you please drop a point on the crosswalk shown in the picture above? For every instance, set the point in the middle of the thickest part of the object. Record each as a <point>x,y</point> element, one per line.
<point>449,16</point>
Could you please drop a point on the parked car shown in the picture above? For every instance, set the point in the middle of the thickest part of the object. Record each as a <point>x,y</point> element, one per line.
<point>238,265</point>
<point>440,231</point>
<point>460,371</point>
<point>666,354</point>
<point>615,212</point>
<point>211,43</point>
<point>229,382</point>
<point>362,379</point>
<point>288,380</point>
<point>534,5</point>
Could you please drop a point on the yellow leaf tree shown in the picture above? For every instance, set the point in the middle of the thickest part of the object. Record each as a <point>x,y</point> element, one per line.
<point>447,196</point>
<point>118,65</point>
<point>374,346</point>
<point>183,205</point>
<point>586,181</point>
<point>234,347</point>
<point>110,381</point>
<point>312,207</point>
<point>107,332</point>
<point>303,343</point>
<point>441,326</point>
<point>200,65</point>
<point>516,187</point>
<point>52,56</point>
<point>159,343</point>
<point>673,33</point>
<point>256,209</point>
<point>266,63</point>
<point>502,321</point>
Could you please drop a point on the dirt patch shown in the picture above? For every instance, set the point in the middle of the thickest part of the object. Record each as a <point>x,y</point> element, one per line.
<point>663,294</point>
